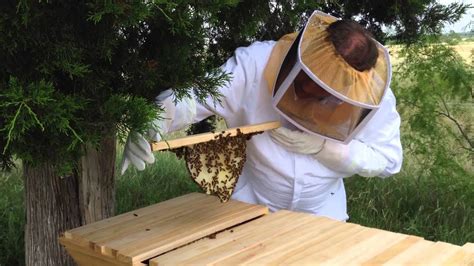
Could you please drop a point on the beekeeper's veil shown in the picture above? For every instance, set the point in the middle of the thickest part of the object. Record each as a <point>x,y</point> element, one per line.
<point>319,92</point>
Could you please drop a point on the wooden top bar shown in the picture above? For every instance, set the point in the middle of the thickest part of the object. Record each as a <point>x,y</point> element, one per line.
<point>198,229</point>
<point>204,137</point>
<point>144,233</point>
<point>289,238</point>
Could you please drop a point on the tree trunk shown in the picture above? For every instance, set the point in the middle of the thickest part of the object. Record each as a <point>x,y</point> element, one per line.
<point>97,182</point>
<point>55,204</point>
<point>51,208</point>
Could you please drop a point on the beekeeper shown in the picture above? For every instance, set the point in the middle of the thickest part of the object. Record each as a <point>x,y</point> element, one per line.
<point>329,87</point>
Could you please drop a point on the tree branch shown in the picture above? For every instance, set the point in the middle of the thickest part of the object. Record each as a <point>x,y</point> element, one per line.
<point>458,125</point>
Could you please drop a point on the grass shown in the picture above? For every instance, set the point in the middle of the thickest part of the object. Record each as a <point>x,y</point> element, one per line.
<point>165,179</point>
<point>12,219</point>
<point>437,209</point>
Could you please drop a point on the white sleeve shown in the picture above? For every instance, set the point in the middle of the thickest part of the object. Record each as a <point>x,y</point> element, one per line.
<point>242,70</point>
<point>376,151</point>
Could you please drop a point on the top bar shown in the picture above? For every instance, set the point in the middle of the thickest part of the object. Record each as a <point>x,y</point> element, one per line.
<point>204,137</point>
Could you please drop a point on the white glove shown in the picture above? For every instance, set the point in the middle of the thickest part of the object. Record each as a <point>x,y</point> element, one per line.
<point>137,151</point>
<point>297,141</point>
<point>353,158</point>
<point>175,116</point>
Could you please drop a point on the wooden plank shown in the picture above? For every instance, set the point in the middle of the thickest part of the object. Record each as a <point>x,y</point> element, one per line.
<point>320,248</point>
<point>274,244</point>
<point>159,216</point>
<point>177,231</point>
<point>461,257</point>
<point>268,241</point>
<point>89,229</point>
<point>192,229</point>
<point>86,257</point>
<point>408,254</point>
<point>237,249</point>
<point>426,252</point>
<point>435,254</point>
<point>207,246</point>
<point>148,232</point>
<point>136,220</point>
<point>392,251</point>
<point>239,239</point>
<point>364,249</point>
<point>469,247</point>
<point>204,137</point>
<point>292,246</point>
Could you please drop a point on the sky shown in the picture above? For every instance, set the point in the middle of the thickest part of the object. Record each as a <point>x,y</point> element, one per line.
<point>460,26</point>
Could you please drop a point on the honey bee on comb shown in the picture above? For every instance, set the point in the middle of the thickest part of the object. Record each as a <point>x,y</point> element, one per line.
<point>216,165</point>
<point>215,160</point>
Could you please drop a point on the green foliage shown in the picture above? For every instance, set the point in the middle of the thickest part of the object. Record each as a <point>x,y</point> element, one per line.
<point>165,179</point>
<point>434,87</point>
<point>437,208</point>
<point>101,63</point>
<point>33,111</point>
<point>407,19</point>
<point>432,197</point>
<point>250,21</point>
<point>129,112</point>
<point>12,219</point>
<point>76,72</point>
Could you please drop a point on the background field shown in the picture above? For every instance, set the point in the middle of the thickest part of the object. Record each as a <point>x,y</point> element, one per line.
<point>437,207</point>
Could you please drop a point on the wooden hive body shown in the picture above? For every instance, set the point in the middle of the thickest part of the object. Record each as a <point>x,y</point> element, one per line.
<point>198,229</point>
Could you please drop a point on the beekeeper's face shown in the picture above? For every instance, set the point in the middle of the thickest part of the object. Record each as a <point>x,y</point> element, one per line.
<point>319,92</point>
<point>307,89</point>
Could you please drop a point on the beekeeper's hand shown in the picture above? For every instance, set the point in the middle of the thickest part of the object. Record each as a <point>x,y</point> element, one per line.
<point>348,159</point>
<point>137,149</point>
<point>297,141</point>
<point>137,152</point>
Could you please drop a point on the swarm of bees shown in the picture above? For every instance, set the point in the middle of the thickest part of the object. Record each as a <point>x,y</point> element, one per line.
<point>215,165</point>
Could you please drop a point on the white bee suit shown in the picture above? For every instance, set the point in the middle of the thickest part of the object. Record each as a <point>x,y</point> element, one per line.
<point>281,179</point>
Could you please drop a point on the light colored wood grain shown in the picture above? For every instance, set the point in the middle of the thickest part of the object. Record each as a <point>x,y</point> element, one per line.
<point>436,254</point>
<point>135,221</point>
<point>408,254</point>
<point>148,232</point>
<point>261,238</point>
<point>297,239</point>
<point>192,229</point>
<point>87,257</point>
<point>177,232</point>
<point>364,249</point>
<point>234,241</point>
<point>392,251</point>
<point>469,247</point>
<point>204,137</point>
<point>90,229</point>
<point>159,217</point>
<point>461,257</point>
<point>293,245</point>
